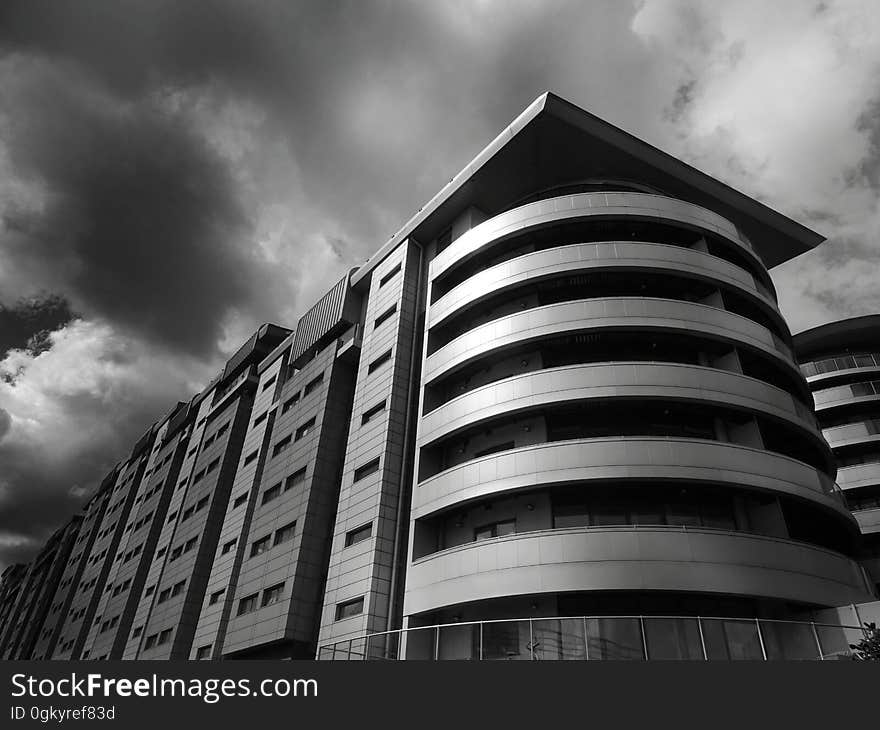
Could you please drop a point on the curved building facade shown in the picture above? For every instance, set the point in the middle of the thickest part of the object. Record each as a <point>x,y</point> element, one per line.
<point>841,362</point>
<point>613,421</point>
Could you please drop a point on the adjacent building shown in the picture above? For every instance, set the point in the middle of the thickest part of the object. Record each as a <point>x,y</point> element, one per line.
<point>841,361</point>
<point>557,415</point>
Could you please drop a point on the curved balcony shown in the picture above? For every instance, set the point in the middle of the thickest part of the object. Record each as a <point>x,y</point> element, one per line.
<point>868,519</point>
<point>851,434</point>
<point>642,459</point>
<point>636,380</point>
<point>584,257</point>
<point>628,558</point>
<point>631,313</point>
<point>842,395</point>
<point>570,208</point>
<point>859,475</point>
<point>844,367</point>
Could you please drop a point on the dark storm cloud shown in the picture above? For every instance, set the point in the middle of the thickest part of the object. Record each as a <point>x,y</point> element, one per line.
<point>25,324</point>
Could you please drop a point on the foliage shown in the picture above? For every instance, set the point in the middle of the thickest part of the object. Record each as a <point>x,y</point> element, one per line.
<point>869,647</point>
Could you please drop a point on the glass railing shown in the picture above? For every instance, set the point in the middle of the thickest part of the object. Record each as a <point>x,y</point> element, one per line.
<point>845,362</point>
<point>846,392</point>
<point>585,638</point>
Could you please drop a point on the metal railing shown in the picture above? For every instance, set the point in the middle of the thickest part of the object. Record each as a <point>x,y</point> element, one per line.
<point>640,637</point>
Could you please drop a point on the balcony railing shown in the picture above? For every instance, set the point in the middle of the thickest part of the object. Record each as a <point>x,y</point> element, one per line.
<point>582,638</point>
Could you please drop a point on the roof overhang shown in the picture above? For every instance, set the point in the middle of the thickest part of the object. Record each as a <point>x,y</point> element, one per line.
<point>554,142</point>
<point>840,336</point>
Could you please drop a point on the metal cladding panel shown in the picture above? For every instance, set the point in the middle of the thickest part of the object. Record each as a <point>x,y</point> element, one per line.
<point>142,443</point>
<point>177,420</point>
<point>335,310</point>
<point>239,357</point>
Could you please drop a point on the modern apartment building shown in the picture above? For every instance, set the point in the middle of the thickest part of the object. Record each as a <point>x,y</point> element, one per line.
<point>841,362</point>
<point>557,415</point>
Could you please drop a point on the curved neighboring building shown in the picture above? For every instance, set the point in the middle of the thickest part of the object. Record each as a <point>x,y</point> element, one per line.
<point>841,361</point>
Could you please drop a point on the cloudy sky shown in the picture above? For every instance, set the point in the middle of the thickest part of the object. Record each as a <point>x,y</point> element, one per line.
<point>173,174</point>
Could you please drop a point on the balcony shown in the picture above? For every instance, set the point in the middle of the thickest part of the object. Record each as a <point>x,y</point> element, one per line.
<point>587,638</point>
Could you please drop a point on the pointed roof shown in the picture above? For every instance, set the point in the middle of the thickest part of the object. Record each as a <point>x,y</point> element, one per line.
<point>554,142</point>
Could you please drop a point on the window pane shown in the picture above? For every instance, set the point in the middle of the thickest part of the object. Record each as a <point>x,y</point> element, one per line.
<point>789,641</point>
<point>505,640</point>
<point>673,638</point>
<point>615,638</point>
<point>730,639</point>
<point>559,638</point>
<point>457,642</point>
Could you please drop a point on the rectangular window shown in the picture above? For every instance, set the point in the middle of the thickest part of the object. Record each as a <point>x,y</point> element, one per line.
<point>201,504</point>
<point>372,413</point>
<point>250,458</point>
<point>227,547</point>
<point>349,608</point>
<point>260,546</point>
<point>247,604</point>
<point>164,595</point>
<point>305,428</point>
<point>262,417</point>
<point>213,465</point>
<point>273,594</point>
<point>269,382</point>
<point>371,467</point>
<point>203,652</point>
<point>379,362</point>
<point>209,440</point>
<point>389,276</point>
<point>271,493</point>
<point>198,477</point>
<point>281,445</point>
<point>190,544</point>
<point>296,478</point>
<point>164,637</point>
<point>290,403</point>
<point>151,641</point>
<point>178,588</point>
<point>385,316</point>
<point>312,384</point>
<point>353,537</point>
<point>240,500</point>
<point>444,239</point>
<point>497,529</point>
<point>283,534</point>
<point>216,596</point>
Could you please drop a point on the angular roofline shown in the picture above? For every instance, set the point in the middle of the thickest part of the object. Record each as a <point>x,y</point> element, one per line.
<point>549,103</point>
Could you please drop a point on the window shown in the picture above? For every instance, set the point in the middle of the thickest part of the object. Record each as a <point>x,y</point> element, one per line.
<point>247,604</point>
<point>349,608</point>
<point>200,505</point>
<point>223,429</point>
<point>271,493</point>
<point>216,596</point>
<point>371,467</point>
<point>240,500</point>
<point>151,641</point>
<point>190,544</point>
<point>164,637</point>
<point>312,384</point>
<point>213,465</point>
<point>385,316</point>
<point>209,440</point>
<point>389,276</point>
<point>269,382</point>
<point>353,537</point>
<point>260,546</point>
<point>497,529</point>
<point>305,428</point>
<point>379,362</point>
<point>171,517</point>
<point>161,551</point>
<point>290,403</point>
<point>164,595</point>
<point>203,652</point>
<point>372,413</point>
<point>281,445</point>
<point>296,478</point>
<point>262,417</point>
<point>227,547</point>
<point>273,594</point>
<point>283,534</point>
<point>175,554</point>
<point>198,477</point>
<point>444,239</point>
<point>178,588</point>
<point>250,458</point>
